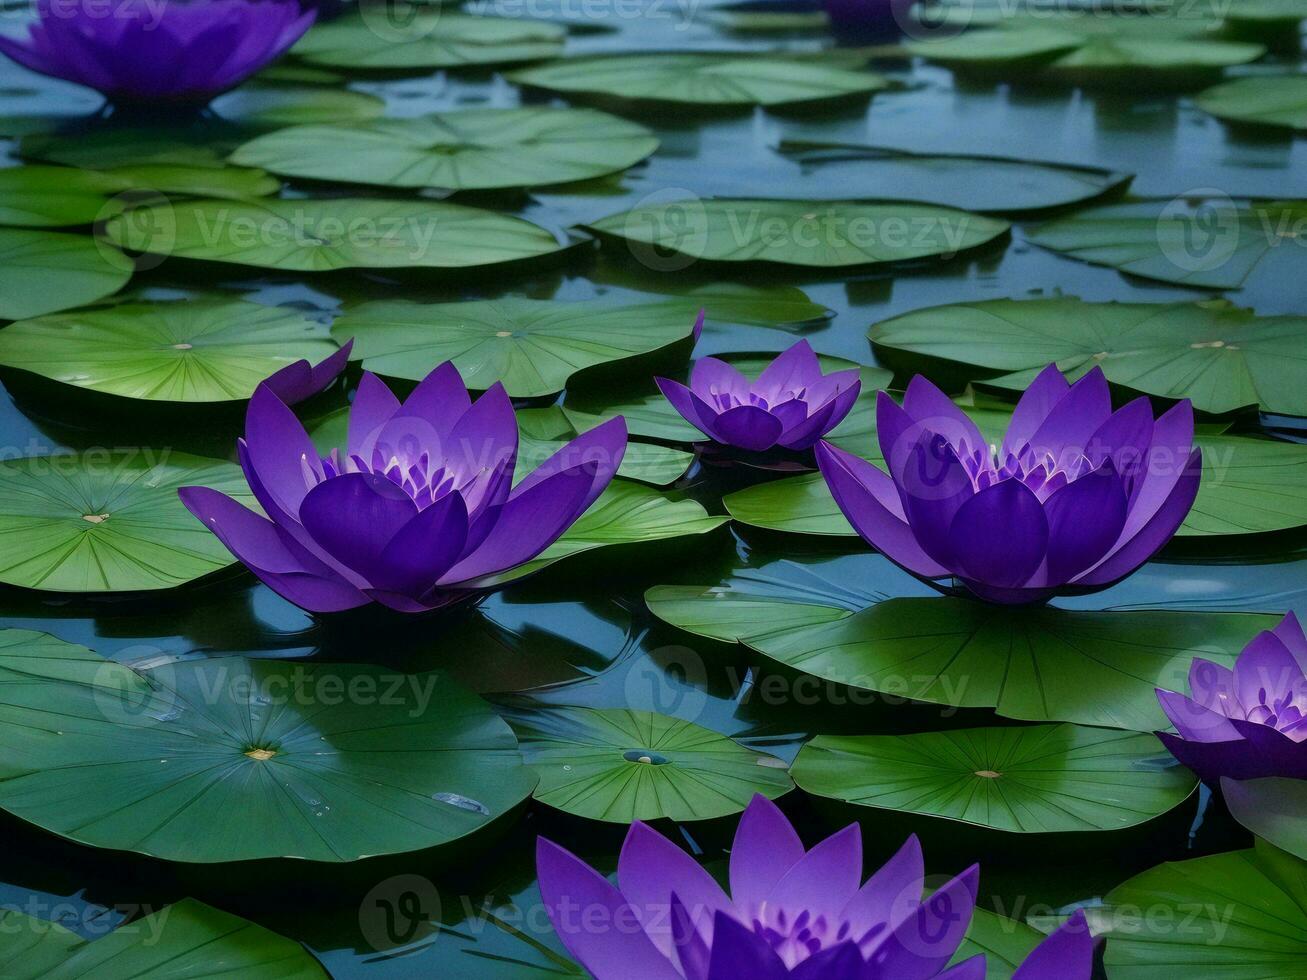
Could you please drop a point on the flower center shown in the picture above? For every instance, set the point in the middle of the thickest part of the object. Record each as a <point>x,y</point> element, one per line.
<point>422,480</point>
<point>1040,470</point>
<point>1286,714</point>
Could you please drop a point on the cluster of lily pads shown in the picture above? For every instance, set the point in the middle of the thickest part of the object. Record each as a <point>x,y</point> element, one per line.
<point>402,459</point>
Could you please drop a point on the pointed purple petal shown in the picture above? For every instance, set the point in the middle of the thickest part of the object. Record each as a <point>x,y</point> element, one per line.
<point>765,848</point>
<point>300,380</point>
<point>932,409</point>
<point>711,376</point>
<point>689,406</point>
<point>796,368</point>
<point>1265,671</point>
<point>280,451</point>
<point>1289,630</point>
<point>687,940</point>
<point>890,895</point>
<point>1067,954</point>
<point>924,942</point>
<point>374,405</point>
<point>1212,686</point>
<point>423,549</point>
<point>353,517</point>
<point>825,879</point>
<point>1194,722</point>
<point>1000,536</point>
<point>1075,418</point>
<point>933,486</point>
<point>1085,518</point>
<point>825,419</point>
<point>737,953</point>
<point>1049,388</point>
<point>650,870</point>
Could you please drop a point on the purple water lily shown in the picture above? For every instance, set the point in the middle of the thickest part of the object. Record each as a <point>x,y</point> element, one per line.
<point>1075,499</point>
<point>1248,722</point>
<point>300,380</point>
<point>144,51</point>
<point>791,405</point>
<point>419,512</point>
<point>804,915</point>
<point>866,20</point>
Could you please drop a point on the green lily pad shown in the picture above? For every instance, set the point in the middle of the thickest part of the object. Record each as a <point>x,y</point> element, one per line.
<point>977,183</point>
<point>1213,243</point>
<point>621,765</point>
<point>232,759</point>
<point>290,105</point>
<point>1244,917</point>
<point>626,513</point>
<point>324,235</point>
<point>45,271</point>
<point>1265,10</point>
<point>1037,664</point>
<point>1279,101</point>
<point>821,234</point>
<point>1219,356</point>
<point>209,349</point>
<point>187,939</point>
<point>468,149</point>
<point>700,79</point>
<point>1005,943</point>
<point>987,49</point>
<point>1273,809</point>
<point>1028,780</point>
<point>52,197</point>
<point>104,521</point>
<point>769,22</point>
<point>532,346</point>
<point>412,39</point>
<point>1133,62</point>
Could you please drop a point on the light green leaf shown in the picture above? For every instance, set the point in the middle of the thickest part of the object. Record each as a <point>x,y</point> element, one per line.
<point>1274,809</point>
<point>1028,780</point>
<point>700,79</point>
<point>109,521</point>
<point>621,765</point>
<point>1260,101</point>
<point>45,271</point>
<point>288,105</point>
<point>201,349</point>
<point>467,149</point>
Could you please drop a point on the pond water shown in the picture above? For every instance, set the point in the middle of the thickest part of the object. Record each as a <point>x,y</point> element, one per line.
<point>580,634</point>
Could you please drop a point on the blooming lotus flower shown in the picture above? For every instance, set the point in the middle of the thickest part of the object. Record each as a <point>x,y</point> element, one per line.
<point>791,913</point>
<point>300,380</point>
<point>866,20</point>
<point>419,512</point>
<point>1248,722</point>
<point>149,51</point>
<point>791,405</point>
<point>1075,499</point>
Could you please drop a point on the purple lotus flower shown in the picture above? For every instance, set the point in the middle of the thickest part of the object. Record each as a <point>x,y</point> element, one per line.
<point>790,914</point>
<point>1075,499</point>
<point>1248,722</point>
<point>866,20</point>
<point>300,380</point>
<point>150,51</point>
<point>418,513</point>
<point>791,405</point>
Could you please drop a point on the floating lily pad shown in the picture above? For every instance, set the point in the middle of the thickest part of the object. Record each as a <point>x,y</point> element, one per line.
<point>52,197</point>
<point>1132,62</point>
<point>468,149</point>
<point>821,234</point>
<point>1211,243</point>
<point>701,79</point>
<point>231,759</point>
<point>1034,664</point>
<point>411,39</point>
<point>45,271</point>
<point>188,939</point>
<point>977,183</point>
<point>1244,917</point>
<point>323,235</point>
<point>769,22</point>
<point>989,49</point>
<point>1004,942</point>
<point>211,349</point>
<point>1273,809</point>
<point>532,346</point>
<point>288,105</point>
<point>1259,101</point>
<point>1036,779</point>
<point>621,765</point>
<point>1219,356</point>
<point>104,521</point>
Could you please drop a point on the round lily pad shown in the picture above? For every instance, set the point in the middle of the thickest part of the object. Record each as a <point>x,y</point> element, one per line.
<point>1033,664</point>
<point>468,149</point>
<point>701,79</point>
<point>1134,62</point>
<point>532,346</point>
<point>1220,357</point>
<point>401,38</point>
<point>231,759</point>
<point>821,234</point>
<point>1244,917</point>
<point>45,271</point>
<point>323,235</point>
<point>977,183</point>
<point>1273,809</point>
<point>1036,779</point>
<point>621,765</point>
<point>1278,101</point>
<point>1214,243</point>
<point>104,521</point>
<point>544,431</point>
<point>296,105</point>
<point>183,940</point>
<point>210,349</point>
